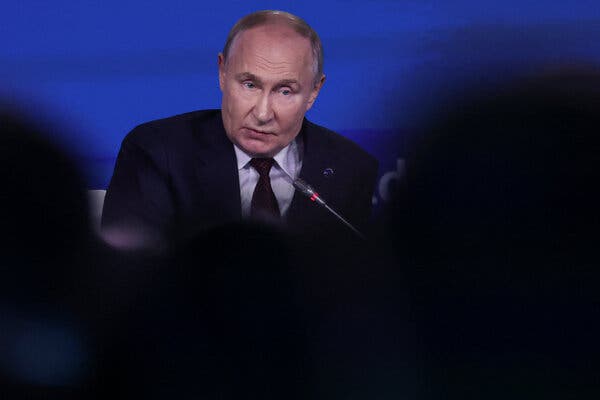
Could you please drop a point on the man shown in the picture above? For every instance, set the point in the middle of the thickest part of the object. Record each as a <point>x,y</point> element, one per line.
<point>186,173</point>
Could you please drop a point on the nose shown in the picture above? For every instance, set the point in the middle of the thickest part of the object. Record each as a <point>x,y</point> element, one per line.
<point>263,109</point>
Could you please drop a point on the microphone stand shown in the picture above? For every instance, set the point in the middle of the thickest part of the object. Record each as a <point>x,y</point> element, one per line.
<point>309,192</point>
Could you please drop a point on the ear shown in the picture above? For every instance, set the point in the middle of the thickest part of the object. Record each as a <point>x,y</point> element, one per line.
<point>221,63</point>
<point>315,92</point>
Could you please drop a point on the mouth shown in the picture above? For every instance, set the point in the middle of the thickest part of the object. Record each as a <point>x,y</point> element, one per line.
<point>256,132</point>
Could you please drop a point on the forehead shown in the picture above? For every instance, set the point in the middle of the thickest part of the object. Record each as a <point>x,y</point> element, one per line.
<point>271,46</point>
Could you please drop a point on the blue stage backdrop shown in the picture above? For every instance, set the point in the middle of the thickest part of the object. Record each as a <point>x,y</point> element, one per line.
<point>99,68</point>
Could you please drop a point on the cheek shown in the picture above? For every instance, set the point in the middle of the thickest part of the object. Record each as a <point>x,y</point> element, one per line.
<point>290,108</point>
<point>239,101</point>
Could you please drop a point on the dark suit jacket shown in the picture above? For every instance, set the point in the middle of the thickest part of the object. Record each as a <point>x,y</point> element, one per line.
<point>179,174</point>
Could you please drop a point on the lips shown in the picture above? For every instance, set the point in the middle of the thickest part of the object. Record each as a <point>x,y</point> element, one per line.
<point>257,132</point>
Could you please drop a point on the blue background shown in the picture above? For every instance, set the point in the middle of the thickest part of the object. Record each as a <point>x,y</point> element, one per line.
<point>99,68</point>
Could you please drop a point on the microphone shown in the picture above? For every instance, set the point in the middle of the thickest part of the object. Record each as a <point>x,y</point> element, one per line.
<point>309,192</point>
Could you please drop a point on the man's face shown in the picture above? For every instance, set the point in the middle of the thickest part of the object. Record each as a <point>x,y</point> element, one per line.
<point>268,84</point>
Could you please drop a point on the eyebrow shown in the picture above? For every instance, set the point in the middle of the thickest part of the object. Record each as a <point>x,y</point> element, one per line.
<point>248,76</point>
<point>288,82</point>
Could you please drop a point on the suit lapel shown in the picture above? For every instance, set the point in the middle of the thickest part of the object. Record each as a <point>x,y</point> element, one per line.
<point>216,171</point>
<point>314,162</point>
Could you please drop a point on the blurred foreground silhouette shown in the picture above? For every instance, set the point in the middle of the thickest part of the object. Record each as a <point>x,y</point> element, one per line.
<point>498,217</point>
<point>46,241</point>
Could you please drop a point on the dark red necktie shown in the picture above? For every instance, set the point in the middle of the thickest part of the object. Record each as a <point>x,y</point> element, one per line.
<point>264,204</point>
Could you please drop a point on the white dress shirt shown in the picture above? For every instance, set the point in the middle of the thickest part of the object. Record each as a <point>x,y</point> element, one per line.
<point>286,168</point>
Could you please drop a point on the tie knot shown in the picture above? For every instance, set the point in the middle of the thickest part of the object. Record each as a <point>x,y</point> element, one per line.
<point>262,165</point>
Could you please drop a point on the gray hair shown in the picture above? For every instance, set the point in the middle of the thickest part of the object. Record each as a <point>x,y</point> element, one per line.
<point>266,17</point>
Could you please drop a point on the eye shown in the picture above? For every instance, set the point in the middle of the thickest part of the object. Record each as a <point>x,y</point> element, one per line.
<point>285,92</point>
<point>249,85</point>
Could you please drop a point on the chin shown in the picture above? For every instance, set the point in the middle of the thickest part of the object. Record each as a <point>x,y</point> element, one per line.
<point>262,154</point>
<point>258,150</point>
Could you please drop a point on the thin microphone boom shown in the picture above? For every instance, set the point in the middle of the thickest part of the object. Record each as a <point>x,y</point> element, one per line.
<point>309,192</point>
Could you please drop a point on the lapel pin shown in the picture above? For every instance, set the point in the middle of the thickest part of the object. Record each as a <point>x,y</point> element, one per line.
<point>328,172</point>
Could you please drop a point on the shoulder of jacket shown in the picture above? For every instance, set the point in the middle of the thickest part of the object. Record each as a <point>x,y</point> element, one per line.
<point>344,144</point>
<point>157,129</point>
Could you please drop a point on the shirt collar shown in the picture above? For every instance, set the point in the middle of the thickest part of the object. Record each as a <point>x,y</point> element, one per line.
<point>286,158</point>
<point>242,158</point>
